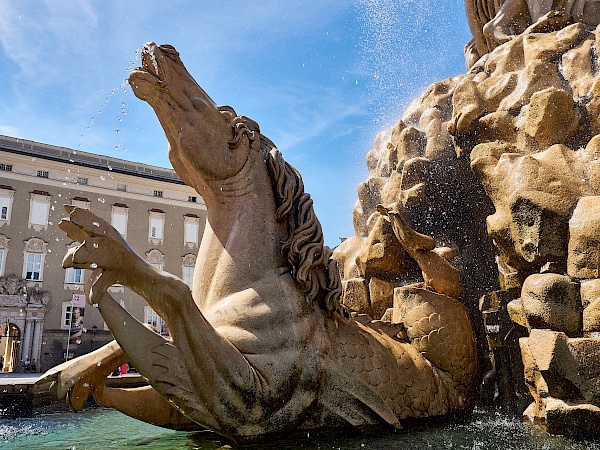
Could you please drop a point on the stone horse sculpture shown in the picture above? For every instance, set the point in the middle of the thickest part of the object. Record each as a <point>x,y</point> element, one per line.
<point>259,347</point>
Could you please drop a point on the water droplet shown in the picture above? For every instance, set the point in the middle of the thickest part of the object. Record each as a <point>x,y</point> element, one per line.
<point>95,305</point>
<point>109,167</point>
<point>102,177</point>
<point>94,265</point>
<point>99,363</point>
<point>96,245</point>
<point>96,224</point>
<point>86,385</point>
<point>101,200</point>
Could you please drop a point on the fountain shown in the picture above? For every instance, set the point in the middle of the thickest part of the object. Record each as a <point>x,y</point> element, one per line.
<point>474,235</point>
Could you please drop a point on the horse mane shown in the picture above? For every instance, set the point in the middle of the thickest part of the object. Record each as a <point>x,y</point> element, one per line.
<point>309,260</point>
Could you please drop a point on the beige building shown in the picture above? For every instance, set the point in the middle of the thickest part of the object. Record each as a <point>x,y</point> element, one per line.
<point>43,316</point>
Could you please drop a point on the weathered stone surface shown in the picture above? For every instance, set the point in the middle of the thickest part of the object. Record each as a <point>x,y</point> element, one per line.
<point>553,301</point>
<point>356,295</point>
<point>345,254</point>
<point>591,319</point>
<point>380,253</point>
<point>527,117</point>
<point>578,67</point>
<point>503,384</point>
<point>533,199</point>
<point>439,275</point>
<point>420,310</point>
<point>545,46</point>
<point>590,291</point>
<point>381,295</point>
<point>493,23</point>
<point>584,239</point>
<point>550,118</point>
<point>564,378</point>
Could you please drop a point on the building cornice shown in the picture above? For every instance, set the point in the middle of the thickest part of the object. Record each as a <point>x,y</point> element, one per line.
<point>84,159</point>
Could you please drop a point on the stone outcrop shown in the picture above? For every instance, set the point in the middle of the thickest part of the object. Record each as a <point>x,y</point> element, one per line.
<point>500,165</point>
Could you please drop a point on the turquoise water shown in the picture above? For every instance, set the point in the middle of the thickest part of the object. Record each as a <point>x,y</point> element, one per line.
<point>107,429</point>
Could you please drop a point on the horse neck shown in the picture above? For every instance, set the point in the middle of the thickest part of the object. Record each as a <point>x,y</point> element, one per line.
<point>242,238</point>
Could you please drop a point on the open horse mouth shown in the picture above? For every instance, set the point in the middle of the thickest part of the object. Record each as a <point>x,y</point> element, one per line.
<point>152,72</point>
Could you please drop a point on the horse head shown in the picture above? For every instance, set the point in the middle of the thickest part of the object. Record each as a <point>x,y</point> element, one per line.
<point>206,142</point>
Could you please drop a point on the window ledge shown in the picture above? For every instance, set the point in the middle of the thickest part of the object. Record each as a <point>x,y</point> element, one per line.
<point>73,287</point>
<point>37,227</point>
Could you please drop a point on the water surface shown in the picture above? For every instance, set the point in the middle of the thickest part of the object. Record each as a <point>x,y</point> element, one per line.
<point>107,429</point>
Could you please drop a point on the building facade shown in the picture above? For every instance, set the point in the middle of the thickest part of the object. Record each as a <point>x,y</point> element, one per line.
<point>44,319</point>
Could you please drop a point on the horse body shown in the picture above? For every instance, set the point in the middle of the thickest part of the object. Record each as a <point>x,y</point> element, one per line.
<point>258,347</point>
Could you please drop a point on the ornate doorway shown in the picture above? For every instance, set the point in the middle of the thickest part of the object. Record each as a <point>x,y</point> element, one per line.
<point>10,339</point>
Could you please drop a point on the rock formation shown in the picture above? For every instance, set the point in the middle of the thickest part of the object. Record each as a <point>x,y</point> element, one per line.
<point>506,154</point>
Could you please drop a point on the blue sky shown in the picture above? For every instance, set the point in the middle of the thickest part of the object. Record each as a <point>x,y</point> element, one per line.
<point>320,77</point>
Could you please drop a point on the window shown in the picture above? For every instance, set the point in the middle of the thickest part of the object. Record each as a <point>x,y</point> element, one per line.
<point>192,199</point>
<point>3,251</point>
<point>33,266</point>
<point>6,199</point>
<point>81,202</point>
<point>34,254</point>
<point>188,276</point>
<point>6,167</point>
<point>81,180</point>
<point>158,193</point>
<point>152,318</point>
<point>39,210</point>
<point>118,218</point>
<point>156,226</point>
<point>122,187</point>
<point>74,276</point>
<point>191,224</point>
<point>188,265</point>
<point>67,312</point>
<point>42,173</point>
<point>156,259</point>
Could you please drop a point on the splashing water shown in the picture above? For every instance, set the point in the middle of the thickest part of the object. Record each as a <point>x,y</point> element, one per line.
<point>404,48</point>
<point>121,89</point>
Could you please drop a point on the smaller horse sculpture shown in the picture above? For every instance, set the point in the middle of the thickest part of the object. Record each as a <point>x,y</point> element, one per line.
<point>258,347</point>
